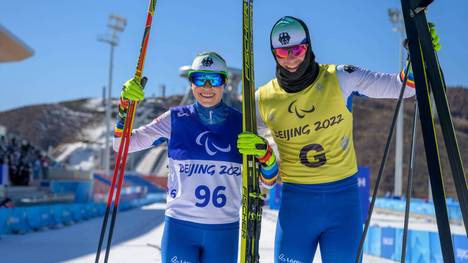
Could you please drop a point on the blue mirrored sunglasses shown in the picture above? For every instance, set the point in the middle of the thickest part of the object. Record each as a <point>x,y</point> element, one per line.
<point>200,78</point>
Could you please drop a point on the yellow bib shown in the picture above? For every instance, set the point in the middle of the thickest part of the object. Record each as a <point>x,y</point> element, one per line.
<point>313,129</point>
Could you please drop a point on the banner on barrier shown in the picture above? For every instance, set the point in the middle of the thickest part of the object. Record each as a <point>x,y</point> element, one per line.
<point>460,245</point>
<point>4,180</point>
<point>387,247</point>
<point>363,175</point>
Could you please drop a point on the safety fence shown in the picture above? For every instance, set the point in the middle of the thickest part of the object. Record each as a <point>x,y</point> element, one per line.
<point>20,220</point>
<point>422,246</point>
<point>420,207</point>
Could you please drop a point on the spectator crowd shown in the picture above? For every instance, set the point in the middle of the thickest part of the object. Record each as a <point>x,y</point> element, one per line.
<point>23,161</point>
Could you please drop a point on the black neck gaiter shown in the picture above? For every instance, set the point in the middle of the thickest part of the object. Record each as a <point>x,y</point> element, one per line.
<point>305,75</point>
<point>307,72</point>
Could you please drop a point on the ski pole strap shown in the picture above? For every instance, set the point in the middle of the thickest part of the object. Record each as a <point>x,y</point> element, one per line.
<point>266,159</point>
<point>410,79</point>
<point>121,117</point>
<point>269,169</point>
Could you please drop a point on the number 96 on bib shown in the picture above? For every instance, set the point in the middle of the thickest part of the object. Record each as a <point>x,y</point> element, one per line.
<point>206,196</point>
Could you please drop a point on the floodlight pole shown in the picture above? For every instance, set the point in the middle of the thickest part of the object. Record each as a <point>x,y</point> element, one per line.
<point>116,24</point>
<point>396,18</point>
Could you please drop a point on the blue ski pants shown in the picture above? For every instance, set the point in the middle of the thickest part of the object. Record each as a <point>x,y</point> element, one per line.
<point>327,214</point>
<point>185,241</point>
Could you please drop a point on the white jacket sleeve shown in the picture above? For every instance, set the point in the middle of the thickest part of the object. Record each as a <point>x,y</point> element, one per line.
<point>146,136</point>
<point>358,81</point>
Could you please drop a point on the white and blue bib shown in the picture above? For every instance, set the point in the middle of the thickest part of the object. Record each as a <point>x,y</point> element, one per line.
<point>204,184</point>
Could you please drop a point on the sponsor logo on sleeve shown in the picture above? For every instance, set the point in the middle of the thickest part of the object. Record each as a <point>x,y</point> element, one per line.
<point>349,68</point>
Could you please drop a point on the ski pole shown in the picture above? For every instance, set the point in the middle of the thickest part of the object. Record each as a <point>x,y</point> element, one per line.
<point>123,148</point>
<point>409,187</point>
<point>129,121</point>
<point>110,196</point>
<point>127,134</point>
<point>121,159</point>
<point>382,166</point>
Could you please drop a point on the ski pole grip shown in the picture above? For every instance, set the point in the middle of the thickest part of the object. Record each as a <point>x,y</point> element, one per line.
<point>143,82</point>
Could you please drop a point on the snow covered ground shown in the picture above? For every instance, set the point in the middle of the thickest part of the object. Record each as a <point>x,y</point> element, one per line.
<point>136,238</point>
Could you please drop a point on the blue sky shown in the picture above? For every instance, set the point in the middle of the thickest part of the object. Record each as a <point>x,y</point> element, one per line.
<point>70,63</point>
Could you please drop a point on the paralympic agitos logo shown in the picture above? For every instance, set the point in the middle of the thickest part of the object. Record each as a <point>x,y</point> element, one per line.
<point>300,113</point>
<point>207,143</point>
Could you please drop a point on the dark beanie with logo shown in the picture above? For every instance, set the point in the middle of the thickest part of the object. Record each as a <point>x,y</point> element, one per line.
<point>287,32</point>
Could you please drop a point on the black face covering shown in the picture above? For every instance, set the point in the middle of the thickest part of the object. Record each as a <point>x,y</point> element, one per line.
<point>305,75</point>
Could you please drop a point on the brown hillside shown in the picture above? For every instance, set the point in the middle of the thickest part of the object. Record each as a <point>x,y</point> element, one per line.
<point>372,119</point>
<point>48,124</point>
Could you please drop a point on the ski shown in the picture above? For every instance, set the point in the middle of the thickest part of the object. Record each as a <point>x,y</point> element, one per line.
<point>251,201</point>
<point>438,87</point>
<point>429,80</point>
